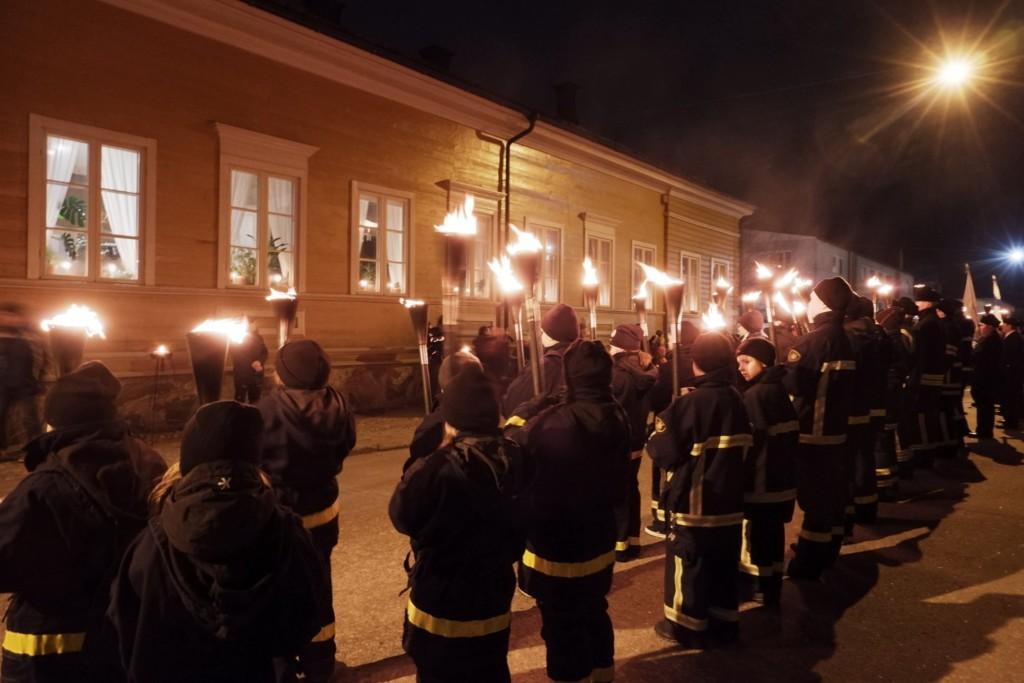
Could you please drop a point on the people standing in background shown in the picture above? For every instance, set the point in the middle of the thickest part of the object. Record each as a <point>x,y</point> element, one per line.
<point>752,325</point>
<point>559,328</point>
<point>987,363</point>
<point>22,360</point>
<point>1013,372</point>
<point>429,434</point>
<point>247,360</point>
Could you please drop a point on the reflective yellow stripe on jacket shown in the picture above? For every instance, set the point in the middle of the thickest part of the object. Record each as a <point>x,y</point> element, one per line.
<point>451,628</point>
<point>569,570</point>
<point>684,519</point>
<point>725,441</point>
<point>320,518</point>
<point>783,428</point>
<point>515,421</point>
<point>35,644</point>
<point>817,435</point>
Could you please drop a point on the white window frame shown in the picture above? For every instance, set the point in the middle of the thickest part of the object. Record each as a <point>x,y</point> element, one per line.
<point>727,264</point>
<point>534,227</point>
<point>247,150</point>
<point>382,193</point>
<point>690,285</point>
<point>634,245</point>
<point>42,126</point>
<point>601,227</point>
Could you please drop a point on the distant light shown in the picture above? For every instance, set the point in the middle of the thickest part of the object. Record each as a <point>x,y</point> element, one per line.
<point>1016,255</point>
<point>954,72</point>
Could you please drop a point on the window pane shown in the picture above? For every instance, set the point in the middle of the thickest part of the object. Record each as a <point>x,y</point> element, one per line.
<point>281,193</point>
<point>395,246</point>
<point>550,266</point>
<point>606,251</point>
<point>281,233</point>
<point>368,276</point>
<point>243,228</point>
<point>280,268</point>
<point>396,215</point>
<point>67,253</point>
<point>243,266</point>
<point>67,160</point>
<point>67,206</point>
<point>120,213</point>
<point>244,190</point>
<point>119,259</point>
<point>368,212</point>
<point>119,169</point>
<point>367,243</point>
<point>396,277</point>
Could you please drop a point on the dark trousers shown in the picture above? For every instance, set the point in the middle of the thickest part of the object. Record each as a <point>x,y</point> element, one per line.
<point>820,489</point>
<point>1011,399</point>
<point>457,660</point>
<point>763,547</point>
<point>865,483</point>
<point>657,514</point>
<point>317,657</point>
<point>248,393</point>
<point>986,418</point>
<point>578,634</point>
<point>627,513</point>
<point>19,416</point>
<point>886,463</point>
<point>701,572</point>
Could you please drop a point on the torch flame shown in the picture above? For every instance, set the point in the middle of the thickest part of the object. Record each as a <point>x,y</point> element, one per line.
<point>411,303</point>
<point>641,292</point>
<point>461,221</point>
<point>763,271</point>
<point>276,294</point>
<point>800,284</point>
<point>780,301</point>
<point>751,297</point>
<point>713,319</point>
<point>589,273</point>
<point>786,280</point>
<point>525,242</point>
<point>658,278</point>
<point>874,282</point>
<point>885,290</point>
<point>507,281</point>
<point>234,329</point>
<point>161,351</point>
<point>80,317</point>
<point>799,307</point>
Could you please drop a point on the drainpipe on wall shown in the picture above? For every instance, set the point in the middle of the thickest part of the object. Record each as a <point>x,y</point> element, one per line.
<point>506,186</point>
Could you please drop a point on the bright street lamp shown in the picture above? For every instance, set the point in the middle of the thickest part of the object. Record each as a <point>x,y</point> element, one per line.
<point>1016,255</point>
<point>955,72</point>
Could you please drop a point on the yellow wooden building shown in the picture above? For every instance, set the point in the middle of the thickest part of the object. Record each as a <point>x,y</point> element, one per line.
<point>165,161</point>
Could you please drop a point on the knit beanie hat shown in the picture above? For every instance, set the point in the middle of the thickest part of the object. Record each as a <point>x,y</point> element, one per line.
<point>628,337</point>
<point>469,403</point>
<point>752,321</point>
<point>222,430</point>
<point>759,348</point>
<point>587,366</point>
<point>560,323</point>
<point>860,307</point>
<point>86,395</point>
<point>835,293</point>
<point>711,351</point>
<point>891,318</point>
<point>688,333</point>
<point>303,364</point>
<point>454,364</point>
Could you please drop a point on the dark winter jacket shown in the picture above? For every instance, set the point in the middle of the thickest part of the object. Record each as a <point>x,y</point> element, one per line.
<point>19,364</point>
<point>870,351</point>
<point>929,364</point>
<point>988,376</point>
<point>243,355</point>
<point>702,440</point>
<point>661,393</point>
<point>223,580</point>
<point>630,386</point>
<point>954,380</point>
<point>770,465</point>
<point>521,389</point>
<point>458,506</point>
<point>1012,365</point>
<point>63,531</point>
<point>427,437</point>
<point>819,376</point>
<point>307,434</point>
<point>901,355</point>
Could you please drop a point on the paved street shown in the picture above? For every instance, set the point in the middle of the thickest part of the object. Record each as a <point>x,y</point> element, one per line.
<point>934,592</point>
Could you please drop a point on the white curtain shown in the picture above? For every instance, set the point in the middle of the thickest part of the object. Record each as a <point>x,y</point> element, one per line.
<point>243,223</point>
<point>61,156</point>
<point>280,195</point>
<point>120,171</point>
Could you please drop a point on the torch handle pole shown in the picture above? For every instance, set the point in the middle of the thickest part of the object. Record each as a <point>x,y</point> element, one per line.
<point>593,323</point>
<point>450,311</point>
<point>771,318</point>
<point>283,325</point>
<point>533,322</point>
<point>428,402</point>
<point>517,324</point>
<point>641,320</point>
<point>152,402</point>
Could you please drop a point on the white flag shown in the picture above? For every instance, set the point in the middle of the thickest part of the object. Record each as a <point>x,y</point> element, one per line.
<point>970,299</point>
<point>995,289</point>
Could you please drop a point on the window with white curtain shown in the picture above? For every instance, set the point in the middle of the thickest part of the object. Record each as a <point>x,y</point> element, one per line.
<point>689,273</point>
<point>550,237</point>
<point>262,249</point>
<point>642,253</point>
<point>481,251</point>
<point>599,249</point>
<point>382,251</point>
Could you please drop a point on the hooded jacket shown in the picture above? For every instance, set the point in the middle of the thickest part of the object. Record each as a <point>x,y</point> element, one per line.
<point>62,533</point>
<point>552,376</point>
<point>222,581</point>
<point>630,387</point>
<point>307,434</point>
<point>770,466</point>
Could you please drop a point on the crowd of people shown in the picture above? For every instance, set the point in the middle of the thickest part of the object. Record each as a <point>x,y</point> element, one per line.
<point>218,567</point>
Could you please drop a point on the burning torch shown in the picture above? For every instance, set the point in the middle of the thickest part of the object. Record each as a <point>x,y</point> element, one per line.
<point>68,332</point>
<point>284,305</point>
<point>800,301</point>
<point>590,287</point>
<point>885,292</point>
<point>161,354</point>
<point>873,285</point>
<point>208,350</point>
<point>713,320</point>
<point>673,291</point>
<point>458,228</point>
<point>720,296</point>
<point>512,290</point>
<point>640,304</point>
<point>418,315</point>
<point>524,255</point>
<point>764,274</point>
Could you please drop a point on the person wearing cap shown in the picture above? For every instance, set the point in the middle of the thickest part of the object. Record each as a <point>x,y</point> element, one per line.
<point>925,421</point>
<point>1013,372</point>
<point>224,584</point>
<point>582,449</point>
<point>460,508</point>
<point>908,416</point>
<point>987,364</point>
<point>820,376</point>
<point>752,324</point>
<point>887,447</point>
<point>247,360</point>
<point>702,440</point>
<point>559,328</point>
<point>954,421</point>
<point>64,528</point>
<point>769,489</point>
<point>429,433</point>
<point>633,376</point>
<point>308,431</point>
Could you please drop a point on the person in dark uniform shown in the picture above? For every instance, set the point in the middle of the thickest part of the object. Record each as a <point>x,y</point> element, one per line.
<point>22,360</point>
<point>927,380</point>
<point>953,421</point>
<point>560,328</point>
<point>769,489</point>
<point>64,528</point>
<point>582,450</point>
<point>908,420</point>
<point>887,445</point>
<point>492,346</point>
<point>702,440</point>
<point>633,377</point>
<point>965,355</point>
<point>819,376</point>
<point>224,584</point>
<point>435,354</point>
<point>429,434</point>
<point>1013,373</point>
<point>988,374</point>
<point>460,508</point>
<point>308,431</point>
<point>247,360</point>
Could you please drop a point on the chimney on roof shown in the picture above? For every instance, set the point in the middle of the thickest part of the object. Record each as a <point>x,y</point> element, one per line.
<point>438,57</point>
<point>565,93</point>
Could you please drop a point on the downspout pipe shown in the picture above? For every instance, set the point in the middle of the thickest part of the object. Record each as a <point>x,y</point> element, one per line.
<point>532,118</point>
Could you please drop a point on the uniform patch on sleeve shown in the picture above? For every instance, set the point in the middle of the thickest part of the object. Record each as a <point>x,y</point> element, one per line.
<point>659,424</point>
<point>793,356</point>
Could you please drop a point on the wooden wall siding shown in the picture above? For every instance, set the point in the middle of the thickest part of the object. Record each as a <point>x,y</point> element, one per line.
<point>687,230</point>
<point>145,78</point>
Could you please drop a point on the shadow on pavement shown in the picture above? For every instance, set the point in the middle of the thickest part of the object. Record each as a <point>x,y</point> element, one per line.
<point>1000,452</point>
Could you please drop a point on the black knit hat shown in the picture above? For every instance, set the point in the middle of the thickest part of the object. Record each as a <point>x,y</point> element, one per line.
<point>628,337</point>
<point>989,319</point>
<point>907,305</point>
<point>759,348</point>
<point>752,321</point>
<point>222,430</point>
<point>560,323</point>
<point>834,292</point>
<point>926,293</point>
<point>712,351</point>
<point>891,318</point>
<point>860,307</point>
<point>303,364</point>
<point>469,403</point>
<point>587,366</point>
<point>86,395</point>
<point>454,364</point>
<point>688,333</point>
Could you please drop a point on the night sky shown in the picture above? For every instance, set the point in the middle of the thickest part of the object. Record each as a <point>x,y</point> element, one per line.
<point>807,109</point>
